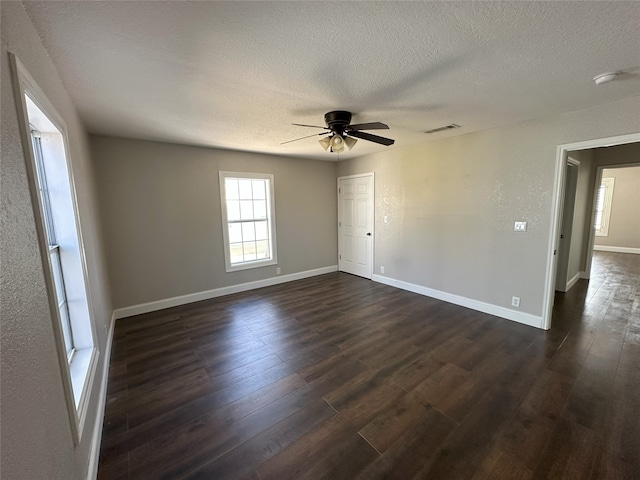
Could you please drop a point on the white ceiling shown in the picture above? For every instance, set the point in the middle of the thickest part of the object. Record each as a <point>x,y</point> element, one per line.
<point>235,75</point>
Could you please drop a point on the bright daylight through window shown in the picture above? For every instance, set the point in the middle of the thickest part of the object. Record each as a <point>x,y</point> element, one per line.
<point>603,207</point>
<point>61,246</point>
<point>54,247</point>
<point>248,216</point>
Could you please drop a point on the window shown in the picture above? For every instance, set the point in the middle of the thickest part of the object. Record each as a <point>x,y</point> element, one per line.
<point>60,243</point>
<point>248,219</point>
<point>54,248</point>
<point>603,207</point>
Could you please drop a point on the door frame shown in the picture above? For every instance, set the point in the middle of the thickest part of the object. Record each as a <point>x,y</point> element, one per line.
<point>564,247</point>
<point>562,152</point>
<point>372,218</point>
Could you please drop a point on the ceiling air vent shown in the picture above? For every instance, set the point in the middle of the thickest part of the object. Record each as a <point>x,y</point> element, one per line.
<point>440,129</point>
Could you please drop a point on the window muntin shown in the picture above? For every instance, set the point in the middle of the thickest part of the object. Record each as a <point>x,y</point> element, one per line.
<point>248,218</point>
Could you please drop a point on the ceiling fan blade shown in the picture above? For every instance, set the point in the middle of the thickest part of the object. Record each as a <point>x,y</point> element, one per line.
<point>370,137</point>
<point>302,138</point>
<point>369,126</point>
<point>312,126</point>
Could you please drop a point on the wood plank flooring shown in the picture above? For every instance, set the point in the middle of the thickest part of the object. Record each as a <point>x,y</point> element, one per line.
<point>339,377</point>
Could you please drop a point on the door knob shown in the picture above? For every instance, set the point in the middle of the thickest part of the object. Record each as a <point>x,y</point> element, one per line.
<point>368,234</point>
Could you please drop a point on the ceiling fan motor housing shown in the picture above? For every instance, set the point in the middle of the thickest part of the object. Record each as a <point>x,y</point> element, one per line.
<point>337,120</point>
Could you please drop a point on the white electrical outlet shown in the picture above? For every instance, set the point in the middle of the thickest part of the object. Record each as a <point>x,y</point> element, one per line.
<point>385,219</point>
<point>278,271</point>
<point>381,269</point>
<point>520,227</point>
<point>515,302</point>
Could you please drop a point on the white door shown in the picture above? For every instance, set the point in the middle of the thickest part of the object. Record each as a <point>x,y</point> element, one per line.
<point>355,224</point>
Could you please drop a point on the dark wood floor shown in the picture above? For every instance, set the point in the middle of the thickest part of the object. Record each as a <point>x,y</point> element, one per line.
<point>339,377</point>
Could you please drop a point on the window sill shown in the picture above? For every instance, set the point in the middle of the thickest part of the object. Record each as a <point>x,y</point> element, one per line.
<point>249,265</point>
<point>79,368</point>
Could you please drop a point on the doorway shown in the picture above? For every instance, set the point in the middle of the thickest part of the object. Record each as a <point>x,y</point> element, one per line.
<point>355,224</point>
<point>557,209</point>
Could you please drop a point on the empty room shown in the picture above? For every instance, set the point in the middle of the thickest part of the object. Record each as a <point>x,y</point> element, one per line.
<point>320,240</point>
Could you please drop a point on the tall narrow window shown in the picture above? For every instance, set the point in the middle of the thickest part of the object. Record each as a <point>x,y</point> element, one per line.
<point>55,211</point>
<point>603,206</point>
<point>248,218</point>
<point>54,247</point>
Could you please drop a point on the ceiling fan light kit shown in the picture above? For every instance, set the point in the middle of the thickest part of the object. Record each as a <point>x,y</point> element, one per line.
<point>343,133</point>
<point>350,142</point>
<point>337,144</point>
<point>325,142</point>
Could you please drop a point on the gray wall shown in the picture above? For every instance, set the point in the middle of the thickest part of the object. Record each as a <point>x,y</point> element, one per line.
<point>162,220</point>
<point>624,222</point>
<point>452,203</point>
<point>36,436</point>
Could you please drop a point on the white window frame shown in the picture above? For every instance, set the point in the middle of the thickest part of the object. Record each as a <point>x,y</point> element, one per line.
<point>271,219</point>
<point>55,253</point>
<point>78,366</point>
<point>604,198</point>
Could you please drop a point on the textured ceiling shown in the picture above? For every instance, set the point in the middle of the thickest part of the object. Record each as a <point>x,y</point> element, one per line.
<point>235,75</point>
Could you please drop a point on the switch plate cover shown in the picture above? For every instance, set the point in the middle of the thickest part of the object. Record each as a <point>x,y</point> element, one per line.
<point>520,227</point>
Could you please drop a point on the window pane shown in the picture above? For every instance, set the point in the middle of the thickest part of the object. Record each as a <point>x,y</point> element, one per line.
<point>233,210</point>
<point>248,219</point>
<point>603,207</point>
<point>249,251</point>
<point>235,250</point>
<point>245,189</point>
<point>600,206</point>
<point>262,231</point>
<point>248,232</point>
<point>262,249</point>
<point>260,209</point>
<point>231,188</point>
<point>259,189</point>
<point>235,233</point>
<point>66,328</point>
<point>246,210</point>
<point>57,275</point>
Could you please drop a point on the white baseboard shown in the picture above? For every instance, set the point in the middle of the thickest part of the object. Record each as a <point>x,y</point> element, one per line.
<point>604,248</point>
<point>94,452</point>
<point>520,317</point>
<point>574,280</point>
<point>218,292</point>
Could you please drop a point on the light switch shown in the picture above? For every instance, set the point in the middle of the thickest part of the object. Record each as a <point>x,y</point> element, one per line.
<point>520,227</point>
<point>385,219</point>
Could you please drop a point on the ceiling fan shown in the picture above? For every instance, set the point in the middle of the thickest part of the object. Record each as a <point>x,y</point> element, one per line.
<point>342,133</point>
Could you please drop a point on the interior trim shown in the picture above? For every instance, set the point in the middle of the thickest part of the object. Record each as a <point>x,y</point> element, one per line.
<point>605,248</point>
<point>218,292</point>
<point>520,317</point>
<point>94,452</point>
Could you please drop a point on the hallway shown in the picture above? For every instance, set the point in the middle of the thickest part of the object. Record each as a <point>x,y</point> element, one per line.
<point>601,320</point>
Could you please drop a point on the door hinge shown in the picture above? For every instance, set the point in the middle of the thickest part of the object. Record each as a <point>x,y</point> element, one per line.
<point>554,252</point>
<point>339,190</point>
<point>339,224</point>
<point>339,257</point>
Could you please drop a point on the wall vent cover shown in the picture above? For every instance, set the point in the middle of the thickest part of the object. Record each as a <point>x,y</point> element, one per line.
<point>440,129</point>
